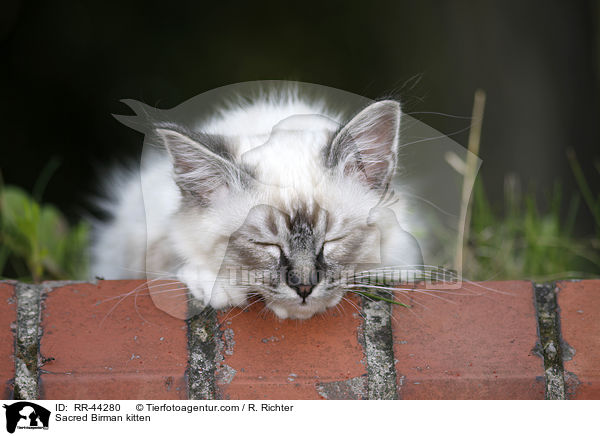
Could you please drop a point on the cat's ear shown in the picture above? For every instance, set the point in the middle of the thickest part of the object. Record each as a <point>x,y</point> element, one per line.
<point>201,163</point>
<point>367,147</point>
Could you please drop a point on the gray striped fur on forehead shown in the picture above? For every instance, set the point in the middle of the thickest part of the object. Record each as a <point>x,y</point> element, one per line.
<point>302,220</point>
<point>305,224</point>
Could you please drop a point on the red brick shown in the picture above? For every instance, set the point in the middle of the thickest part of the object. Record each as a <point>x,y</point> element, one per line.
<point>471,346</point>
<point>289,359</point>
<point>8,317</point>
<point>579,304</point>
<point>135,352</point>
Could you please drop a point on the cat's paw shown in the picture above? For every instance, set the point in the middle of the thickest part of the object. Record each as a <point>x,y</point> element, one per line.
<point>197,291</point>
<point>203,286</point>
<point>221,298</point>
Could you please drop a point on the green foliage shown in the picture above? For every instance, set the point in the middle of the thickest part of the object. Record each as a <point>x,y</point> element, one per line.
<point>526,243</point>
<point>37,241</point>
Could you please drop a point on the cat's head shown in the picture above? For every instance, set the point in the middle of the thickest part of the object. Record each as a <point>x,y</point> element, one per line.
<point>287,220</point>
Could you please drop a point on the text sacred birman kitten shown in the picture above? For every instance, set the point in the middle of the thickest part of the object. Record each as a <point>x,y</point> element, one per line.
<point>276,198</point>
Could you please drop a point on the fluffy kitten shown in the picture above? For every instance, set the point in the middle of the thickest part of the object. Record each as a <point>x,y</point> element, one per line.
<point>273,197</point>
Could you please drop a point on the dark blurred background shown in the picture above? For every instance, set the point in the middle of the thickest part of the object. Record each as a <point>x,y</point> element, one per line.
<point>66,65</point>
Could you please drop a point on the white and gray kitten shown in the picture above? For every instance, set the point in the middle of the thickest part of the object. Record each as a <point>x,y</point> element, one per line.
<point>276,189</point>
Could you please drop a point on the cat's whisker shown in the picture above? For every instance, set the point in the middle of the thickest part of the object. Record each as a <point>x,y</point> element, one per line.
<point>349,301</point>
<point>138,288</point>
<point>168,291</point>
<point>137,308</point>
<point>427,273</point>
<point>241,310</point>
<point>135,291</point>
<point>123,297</point>
<point>479,285</point>
<point>388,310</point>
<point>410,302</point>
<point>413,292</point>
<point>393,290</point>
<point>261,313</point>
<point>435,138</point>
<point>116,297</point>
<point>413,312</point>
<point>162,285</point>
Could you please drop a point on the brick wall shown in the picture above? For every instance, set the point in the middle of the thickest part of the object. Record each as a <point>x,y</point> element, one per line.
<point>495,340</point>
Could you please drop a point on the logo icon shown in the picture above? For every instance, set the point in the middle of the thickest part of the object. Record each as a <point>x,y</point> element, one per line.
<point>26,415</point>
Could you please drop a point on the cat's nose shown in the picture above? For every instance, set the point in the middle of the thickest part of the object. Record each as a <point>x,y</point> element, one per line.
<point>303,290</point>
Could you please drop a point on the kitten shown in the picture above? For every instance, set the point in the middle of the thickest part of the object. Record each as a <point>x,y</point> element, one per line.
<point>274,198</point>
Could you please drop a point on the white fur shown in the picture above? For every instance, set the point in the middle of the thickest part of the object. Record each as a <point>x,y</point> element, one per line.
<point>282,139</point>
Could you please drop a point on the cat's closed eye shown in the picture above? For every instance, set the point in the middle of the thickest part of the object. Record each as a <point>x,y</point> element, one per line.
<point>331,243</point>
<point>266,243</point>
<point>335,239</point>
<point>272,248</point>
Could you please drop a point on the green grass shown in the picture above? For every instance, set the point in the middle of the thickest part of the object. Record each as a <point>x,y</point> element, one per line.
<point>36,241</point>
<point>525,242</point>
